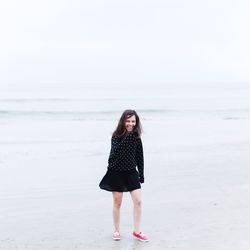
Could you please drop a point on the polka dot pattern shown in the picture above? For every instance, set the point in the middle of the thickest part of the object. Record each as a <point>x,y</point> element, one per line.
<point>127,153</point>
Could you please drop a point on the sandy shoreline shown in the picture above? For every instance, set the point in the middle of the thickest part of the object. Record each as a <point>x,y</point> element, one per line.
<point>195,194</point>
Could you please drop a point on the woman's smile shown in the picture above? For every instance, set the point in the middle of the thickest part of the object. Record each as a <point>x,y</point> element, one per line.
<point>130,123</point>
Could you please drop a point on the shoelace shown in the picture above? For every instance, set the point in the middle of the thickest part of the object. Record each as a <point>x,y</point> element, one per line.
<point>142,234</point>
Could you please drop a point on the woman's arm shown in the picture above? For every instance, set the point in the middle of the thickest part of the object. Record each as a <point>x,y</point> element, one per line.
<point>140,160</point>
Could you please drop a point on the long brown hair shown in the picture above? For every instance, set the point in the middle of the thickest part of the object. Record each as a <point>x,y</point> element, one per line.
<point>121,130</point>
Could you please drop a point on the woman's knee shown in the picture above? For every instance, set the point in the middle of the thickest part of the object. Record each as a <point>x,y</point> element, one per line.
<point>117,203</point>
<point>137,202</point>
<point>117,198</point>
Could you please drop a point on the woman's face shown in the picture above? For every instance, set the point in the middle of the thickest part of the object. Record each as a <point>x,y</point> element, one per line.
<point>130,123</point>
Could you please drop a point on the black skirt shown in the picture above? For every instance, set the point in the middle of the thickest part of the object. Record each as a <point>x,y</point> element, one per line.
<point>120,181</point>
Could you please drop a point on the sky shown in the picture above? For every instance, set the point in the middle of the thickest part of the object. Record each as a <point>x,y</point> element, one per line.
<point>60,44</point>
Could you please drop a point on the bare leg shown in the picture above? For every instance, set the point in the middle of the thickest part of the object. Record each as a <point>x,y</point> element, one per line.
<point>117,198</point>
<point>136,197</point>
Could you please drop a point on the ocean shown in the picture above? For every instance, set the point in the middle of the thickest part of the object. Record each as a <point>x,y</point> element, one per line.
<point>107,103</point>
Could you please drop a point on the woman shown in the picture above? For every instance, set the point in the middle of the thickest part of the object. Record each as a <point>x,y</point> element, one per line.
<point>122,176</point>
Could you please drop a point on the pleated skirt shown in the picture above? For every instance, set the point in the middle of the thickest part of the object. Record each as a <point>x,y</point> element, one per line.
<point>120,181</point>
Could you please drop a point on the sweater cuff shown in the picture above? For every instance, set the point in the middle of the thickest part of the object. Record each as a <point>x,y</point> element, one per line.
<point>141,179</point>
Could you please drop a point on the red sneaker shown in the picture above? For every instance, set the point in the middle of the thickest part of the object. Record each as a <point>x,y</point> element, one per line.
<point>141,236</point>
<point>116,236</point>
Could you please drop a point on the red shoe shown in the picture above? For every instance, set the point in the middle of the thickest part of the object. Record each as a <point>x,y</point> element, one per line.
<point>140,236</point>
<point>116,236</point>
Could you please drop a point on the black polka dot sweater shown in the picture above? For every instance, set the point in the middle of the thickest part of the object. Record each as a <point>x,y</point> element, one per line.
<point>126,153</point>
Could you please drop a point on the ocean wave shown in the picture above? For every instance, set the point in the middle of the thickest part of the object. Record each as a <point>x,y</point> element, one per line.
<point>228,114</point>
<point>24,100</point>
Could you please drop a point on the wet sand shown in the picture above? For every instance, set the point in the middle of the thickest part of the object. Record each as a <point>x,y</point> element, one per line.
<point>195,196</point>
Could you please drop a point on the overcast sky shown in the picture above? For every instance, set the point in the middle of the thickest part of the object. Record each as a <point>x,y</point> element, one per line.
<point>60,43</point>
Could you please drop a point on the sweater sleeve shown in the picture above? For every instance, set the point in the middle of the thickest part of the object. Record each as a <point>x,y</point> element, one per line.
<point>118,146</point>
<point>140,160</point>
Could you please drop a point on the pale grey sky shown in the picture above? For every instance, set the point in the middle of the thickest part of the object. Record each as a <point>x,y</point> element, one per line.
<point>59,43</point>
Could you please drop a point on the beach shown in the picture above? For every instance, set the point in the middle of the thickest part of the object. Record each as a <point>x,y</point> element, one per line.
<point>53,156</point>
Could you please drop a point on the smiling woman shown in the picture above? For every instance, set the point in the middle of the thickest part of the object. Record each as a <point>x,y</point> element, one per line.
<point>128,121</point>
<point>122,176</point>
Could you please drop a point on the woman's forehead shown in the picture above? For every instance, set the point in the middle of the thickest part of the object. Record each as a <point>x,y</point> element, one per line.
<point>131,118</point>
